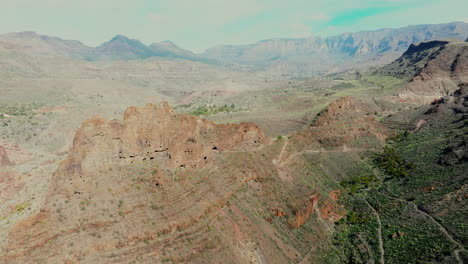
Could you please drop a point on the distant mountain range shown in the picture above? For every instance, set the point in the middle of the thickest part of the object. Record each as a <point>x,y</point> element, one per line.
<point>118,48</point>
<point>345,51</point>
<point>300,56</point>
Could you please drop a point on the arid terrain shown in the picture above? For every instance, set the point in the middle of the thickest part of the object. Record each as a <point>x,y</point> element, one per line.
<point>349,149</point>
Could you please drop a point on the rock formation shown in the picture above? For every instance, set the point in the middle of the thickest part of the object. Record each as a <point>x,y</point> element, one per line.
<point>156,132</point>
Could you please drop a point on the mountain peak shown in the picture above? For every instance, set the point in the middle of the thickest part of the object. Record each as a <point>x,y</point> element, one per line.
<point>168,43</point>
<point>119,37</point>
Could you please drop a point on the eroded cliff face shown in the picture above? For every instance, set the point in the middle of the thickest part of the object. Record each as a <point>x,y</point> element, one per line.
<point>155,133</point>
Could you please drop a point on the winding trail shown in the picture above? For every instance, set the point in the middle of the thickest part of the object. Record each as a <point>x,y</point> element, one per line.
<point>319,218</point>
<point>280,168</point>
<point>345,149</point>
<point>379,232</point>
<point>280,156</point>
<point>434,221</point>
<point>280,163</point>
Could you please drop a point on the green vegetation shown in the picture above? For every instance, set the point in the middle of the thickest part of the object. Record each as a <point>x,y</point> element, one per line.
<point>183,106</point>
<point>360,182</point>
<point>213,109</point>
<point>392,163</point>
<point>385,82</point>
<point>354,218</point>
<point>406,199</point>
<point>18,109</point>
<point>21,207</point>
<point>343,86</point>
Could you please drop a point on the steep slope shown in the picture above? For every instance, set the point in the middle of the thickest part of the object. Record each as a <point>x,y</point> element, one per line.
<point>433,68</point>
<point>166,187</point>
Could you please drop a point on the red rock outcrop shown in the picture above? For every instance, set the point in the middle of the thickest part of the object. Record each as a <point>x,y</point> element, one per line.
<point>303,214</point>
<point>329,209</point>
<point>156,132</point>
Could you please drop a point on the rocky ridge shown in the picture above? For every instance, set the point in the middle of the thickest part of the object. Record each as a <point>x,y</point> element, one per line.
<point>433,68</point>
<point>156,133</point>
<point>154,185</point>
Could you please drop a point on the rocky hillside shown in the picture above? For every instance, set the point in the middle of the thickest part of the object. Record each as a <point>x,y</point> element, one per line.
<point>166,187</point>
<point>433,68</point>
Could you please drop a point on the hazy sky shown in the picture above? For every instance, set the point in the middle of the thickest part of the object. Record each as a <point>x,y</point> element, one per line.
<point>200,24</point>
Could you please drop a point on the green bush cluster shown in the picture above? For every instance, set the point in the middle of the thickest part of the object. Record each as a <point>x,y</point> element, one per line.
<point>392,163</point>
<point>400,136</point>
<point>354,218</point>
<point>18,109</point>
<point>360,182</point>
<point>212,110</point>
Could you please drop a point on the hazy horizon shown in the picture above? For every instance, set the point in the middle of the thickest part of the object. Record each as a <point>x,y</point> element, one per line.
<point>201,51</point>
<point>203,24</point>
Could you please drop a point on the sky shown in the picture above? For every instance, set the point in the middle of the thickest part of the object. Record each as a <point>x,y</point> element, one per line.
<point>200,24</point>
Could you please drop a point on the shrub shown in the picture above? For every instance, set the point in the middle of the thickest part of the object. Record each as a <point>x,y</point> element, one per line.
<point>392,163</point>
